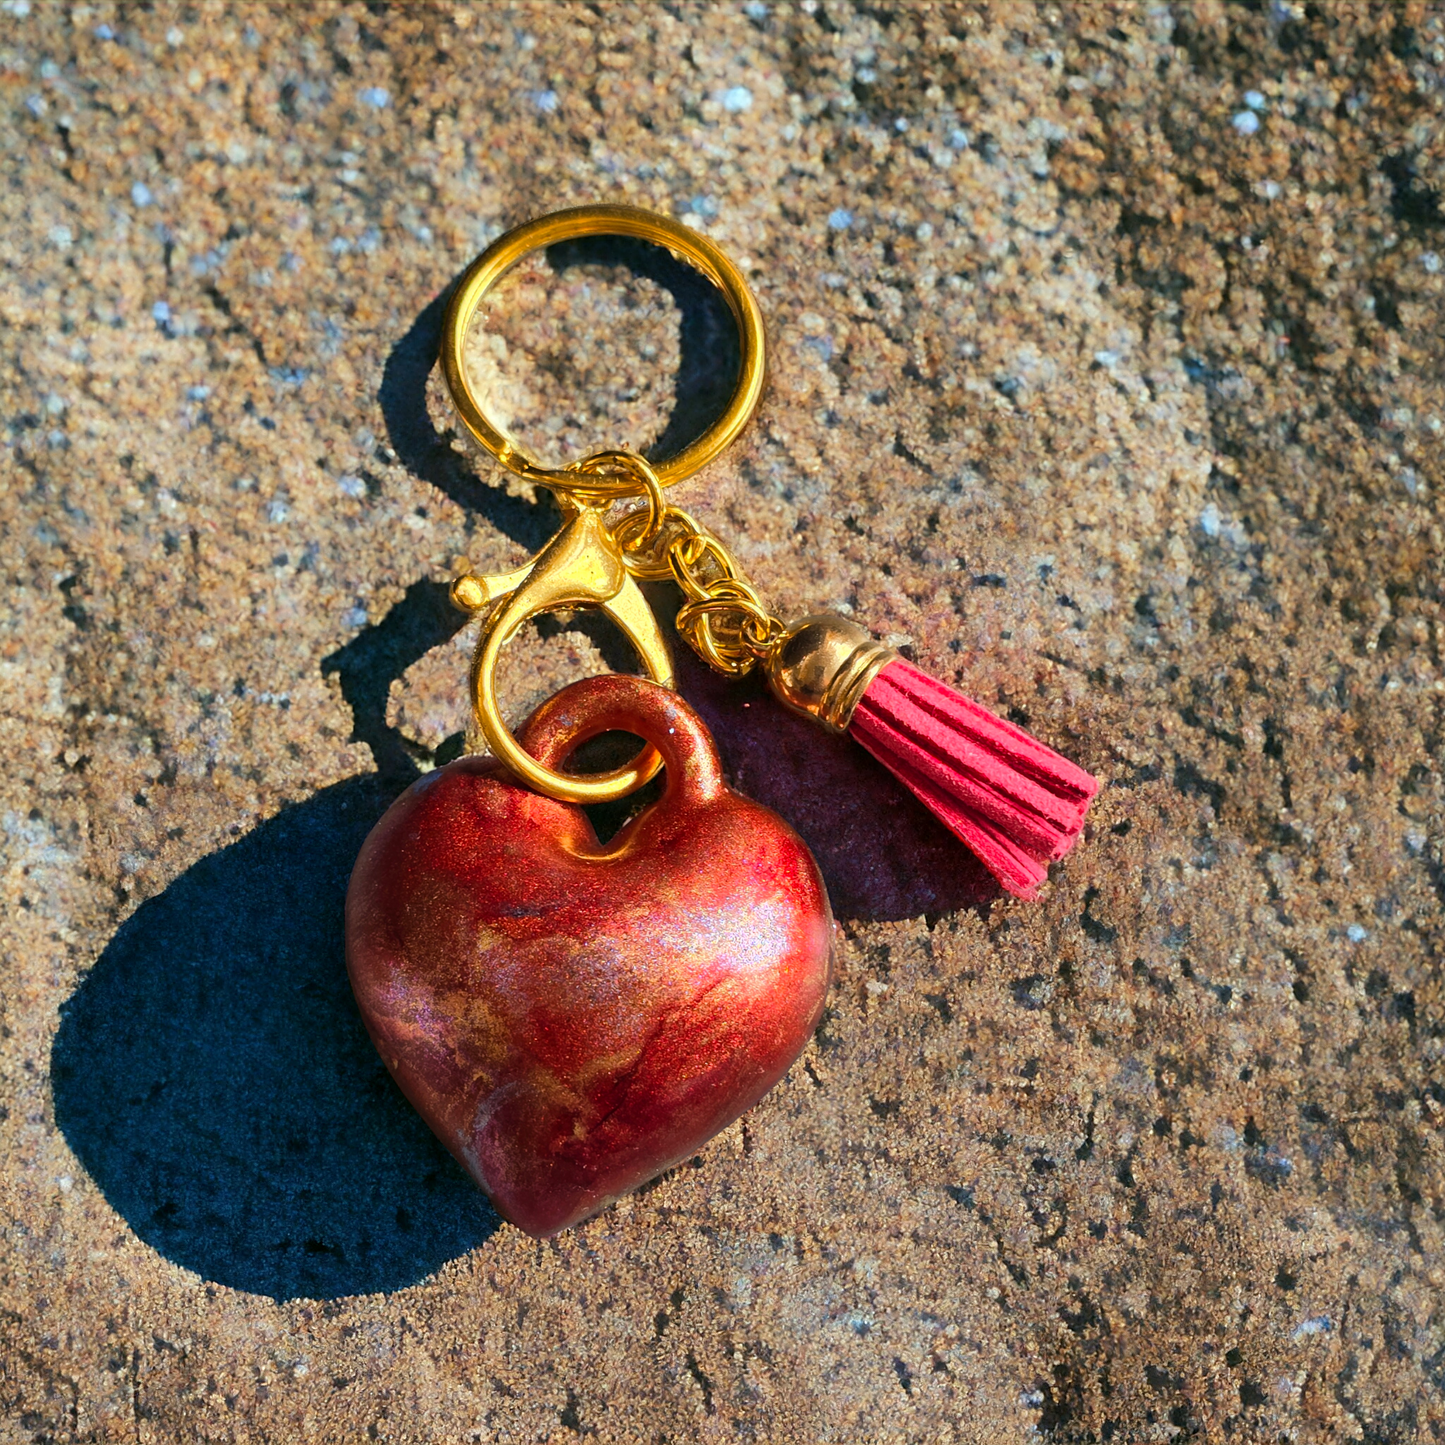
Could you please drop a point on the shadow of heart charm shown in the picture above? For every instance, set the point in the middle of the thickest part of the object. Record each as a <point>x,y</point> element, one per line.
<point>573,1018</point>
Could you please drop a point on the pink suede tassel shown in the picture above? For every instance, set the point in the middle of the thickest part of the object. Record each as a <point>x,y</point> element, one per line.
<point>1016,803</point>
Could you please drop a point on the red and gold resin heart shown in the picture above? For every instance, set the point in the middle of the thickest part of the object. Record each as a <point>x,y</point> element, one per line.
<point>573,1018</point>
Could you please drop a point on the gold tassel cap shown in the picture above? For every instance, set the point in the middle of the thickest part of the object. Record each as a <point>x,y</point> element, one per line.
<point>822,665</point>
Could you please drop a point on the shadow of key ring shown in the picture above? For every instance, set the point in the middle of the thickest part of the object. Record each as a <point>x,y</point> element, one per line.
<point>582,565</point>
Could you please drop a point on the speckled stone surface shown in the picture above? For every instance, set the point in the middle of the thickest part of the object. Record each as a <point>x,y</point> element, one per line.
<point>1107,378</point>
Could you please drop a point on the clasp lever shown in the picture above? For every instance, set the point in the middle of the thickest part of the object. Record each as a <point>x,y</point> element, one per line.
<point>582,566</point>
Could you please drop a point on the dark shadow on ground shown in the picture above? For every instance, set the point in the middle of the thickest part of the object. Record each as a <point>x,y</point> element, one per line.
<point>375,657</point>
<point>212,1074</point>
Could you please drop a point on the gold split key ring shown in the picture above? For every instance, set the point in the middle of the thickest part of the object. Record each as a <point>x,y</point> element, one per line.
<point>591,563</point>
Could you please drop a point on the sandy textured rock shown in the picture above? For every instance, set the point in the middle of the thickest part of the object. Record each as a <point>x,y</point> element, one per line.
<point>1106,377</point>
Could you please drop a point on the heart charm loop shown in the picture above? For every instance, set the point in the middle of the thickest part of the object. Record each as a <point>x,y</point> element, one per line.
<point>572,1017</point>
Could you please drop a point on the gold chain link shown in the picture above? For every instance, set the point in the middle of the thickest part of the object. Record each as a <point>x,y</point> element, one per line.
<point>723,618</point>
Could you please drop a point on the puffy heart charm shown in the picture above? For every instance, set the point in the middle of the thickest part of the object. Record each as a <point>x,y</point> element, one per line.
<point>570,1017</point>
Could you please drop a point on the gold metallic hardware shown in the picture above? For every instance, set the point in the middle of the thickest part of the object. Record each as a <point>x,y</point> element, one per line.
<point>819,666</point>
<point>690,246</point>
<point>723,619</point>
<point>823,665</point>
<point>582,566</point>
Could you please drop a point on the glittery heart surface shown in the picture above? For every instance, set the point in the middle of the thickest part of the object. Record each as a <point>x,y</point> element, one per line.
<point>573,1018</point>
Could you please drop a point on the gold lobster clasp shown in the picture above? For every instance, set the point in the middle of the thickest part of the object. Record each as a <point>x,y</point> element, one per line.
<point>582,566</point>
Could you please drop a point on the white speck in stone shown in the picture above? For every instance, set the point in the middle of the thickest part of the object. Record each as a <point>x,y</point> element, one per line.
<point>175,36</point>
<point>924,231</point>
<point>1267,190</point>
<point>1254,99</point>
<point>18,8</point>
<point>1415,841</point>
<point>300,1370</point>
<point>55,405</point>
<point>959,138</point>
<point>876,986</point>
<point>66,1183</point>
<point>1431,262</point>
<point>1315,1325</point>
<point>277,509</point>
<point>703,206</point>
<point>1107,358</point>
<point>737,98</point>
<point>103,32</point>
<point>1410,480</point>
<point>1209,520</point>
<point>140,194</point>
<point>1031,1399</point>
<point>352,486</point>
<point>237,153</point>
<point>755,10</point>
<point>1246,122</point>
<point>840,219</point>
<point>61,237</point>
<point>354,617</point>
<point>197,393</point>
<point>378,97</point>
<point>161,313</point>
<point>36,105</point>
<point>900,125</point>
<point>1356,934</point>
<point>546,101</point>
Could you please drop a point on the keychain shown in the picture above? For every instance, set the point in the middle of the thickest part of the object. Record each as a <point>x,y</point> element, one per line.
<point>1016,803</point>
<point>573,1018</point>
